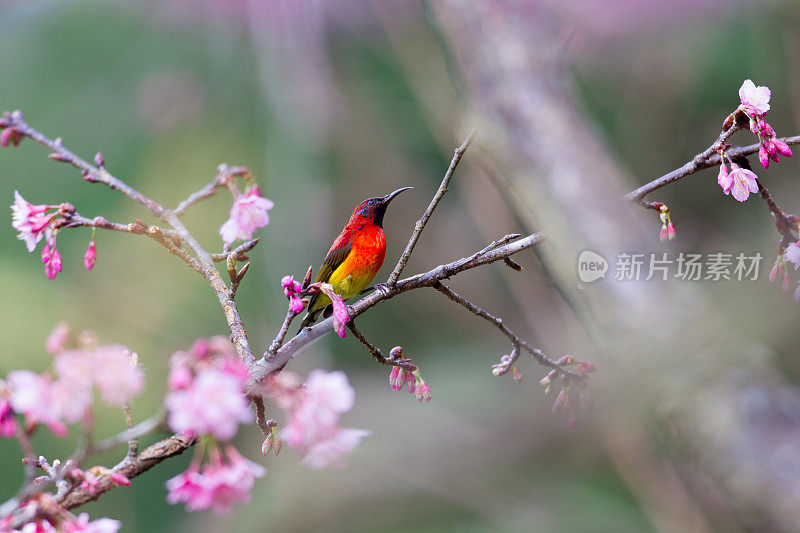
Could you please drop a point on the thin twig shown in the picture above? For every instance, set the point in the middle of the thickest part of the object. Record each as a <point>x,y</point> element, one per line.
<point>135,432</point>
<point>206,192</point>
<point>537,354</point>
<point>278,341</point>
<point>91,172</point>
<point>239,252</point>
<point>133,443</point>
<point>701,161</point>
<point>420,225</point>
<point>261,414</point>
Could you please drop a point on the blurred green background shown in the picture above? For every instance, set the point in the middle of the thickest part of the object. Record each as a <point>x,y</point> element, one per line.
<point>328,106</point>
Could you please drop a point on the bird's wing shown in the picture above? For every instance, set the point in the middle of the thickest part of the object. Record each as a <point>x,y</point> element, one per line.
<point>336,255</point>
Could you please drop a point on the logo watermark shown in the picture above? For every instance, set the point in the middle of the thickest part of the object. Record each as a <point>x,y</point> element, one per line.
<point>717,266</point>
<point>591,266</point>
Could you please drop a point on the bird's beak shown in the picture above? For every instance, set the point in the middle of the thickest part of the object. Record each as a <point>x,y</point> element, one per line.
<point>389,197</point>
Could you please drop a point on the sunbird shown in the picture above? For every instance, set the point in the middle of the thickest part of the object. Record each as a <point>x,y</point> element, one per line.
<point>355,256</point>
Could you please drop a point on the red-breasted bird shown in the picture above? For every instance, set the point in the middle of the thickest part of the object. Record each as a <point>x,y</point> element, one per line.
<point>355,257</point>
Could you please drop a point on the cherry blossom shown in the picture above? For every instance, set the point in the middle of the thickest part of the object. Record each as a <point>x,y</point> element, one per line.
<point>212,404</point>
<point>755,100</point>
<point>219,485</point>
<point>30,220</point>
<point>91,255</point>
<point>248,214</point>
<point>739,183</point>
<point>314,412</point>
<point>293,290</point>
<point>32,395</point>
<point>116,374</point>
<point>340,313</point>
<point>82,525</point>
<point>57,339</point>
<point>8,424</point>
<point>792,254</point>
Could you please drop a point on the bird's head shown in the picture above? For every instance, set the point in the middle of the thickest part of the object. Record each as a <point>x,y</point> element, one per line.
<point>372,209</point>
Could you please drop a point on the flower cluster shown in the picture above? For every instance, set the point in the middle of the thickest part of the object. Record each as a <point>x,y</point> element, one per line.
<point>67,398</point>
<point>668,232</point>
<point>248,214</point>
<point>755,104</point>
<point>206,390</point>
<point>206,399</point>
<point>293,291</point>
<point>405,374</point>
<point>313,413</point>
<point>573,394</point>
<point>217,484</point>
<point>740,182</point>
<point>505,366</point>
<point>34,222</point>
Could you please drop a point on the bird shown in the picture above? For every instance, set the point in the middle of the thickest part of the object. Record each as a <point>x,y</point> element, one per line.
<point>355,256</point>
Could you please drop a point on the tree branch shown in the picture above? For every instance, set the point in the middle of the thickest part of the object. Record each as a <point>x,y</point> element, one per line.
<point>420,225</point>
<point>701,161</point>
<point>91,173</point>
<point>516,342</point>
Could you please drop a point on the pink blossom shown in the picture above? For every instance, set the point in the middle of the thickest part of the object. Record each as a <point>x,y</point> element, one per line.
<point>781,147</point>
<point>116,375</point>
<point>213,404</point>
<point>248,214</point>
<point>755,100</point>
<point>293,290</point>
<point>312,429</point>
<point>8,424</point>
<point>50,256</point>
<point>32,395</point>
<point>82,525</point>
<point>763,156</point>
<point>10,135</point>
<point>333,450</point>
<point>30,220</point>
<point>188,487</point>
<point>57,339</point>
<point>723,178</point>
<point>422,391</point>
<point>232,483</point>
<point>219,486</point>
<point>296,304</point>
<point>340,313</point>
<point>739,183</point>
<point>91,255</point>
<point>180,377</point>
<point>792,254</point>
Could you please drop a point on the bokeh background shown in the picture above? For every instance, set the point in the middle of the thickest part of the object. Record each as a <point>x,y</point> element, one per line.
<point>330,103</point>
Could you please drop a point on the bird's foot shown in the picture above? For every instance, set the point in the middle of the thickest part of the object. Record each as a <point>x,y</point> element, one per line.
<point>382,288</point>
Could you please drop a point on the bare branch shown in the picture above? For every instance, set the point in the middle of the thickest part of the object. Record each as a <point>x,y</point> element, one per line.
<point>239,252</point>
<point>91,172</point>
<point>420,225</point>
<point>516,342</point>
<point>130,468</point>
